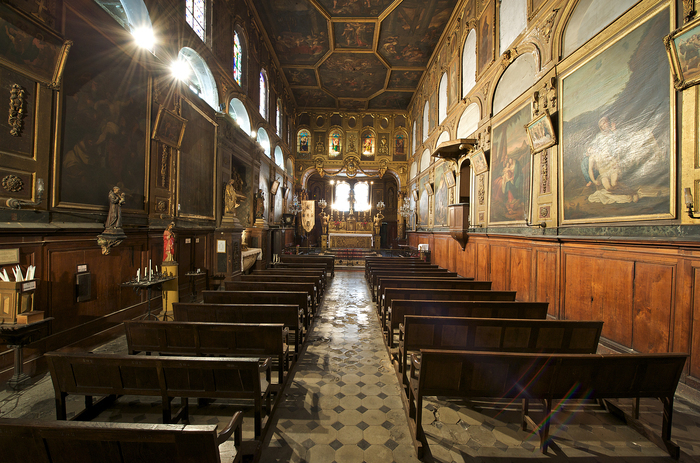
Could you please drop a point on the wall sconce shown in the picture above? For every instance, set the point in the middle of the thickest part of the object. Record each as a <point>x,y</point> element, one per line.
<point>18,203</point>
<point>689,203</point>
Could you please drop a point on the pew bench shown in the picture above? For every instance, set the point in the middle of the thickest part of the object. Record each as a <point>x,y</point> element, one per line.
<point>293,273</point>
<point>297,298</point>
<point>210,340</point>
<point>328,260</point>
<point>286,279</point>
<point>375,276</point>
<point>291,286</point>
<point>290,316</point>
<point>30,441</point>
<point>111,376</point>
<point>428,282</point>
<point>546,377</point>
<point>496,335</point>
<point>301,266</point>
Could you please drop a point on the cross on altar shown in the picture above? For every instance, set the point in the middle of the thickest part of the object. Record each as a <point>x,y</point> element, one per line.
<point>351,200</point>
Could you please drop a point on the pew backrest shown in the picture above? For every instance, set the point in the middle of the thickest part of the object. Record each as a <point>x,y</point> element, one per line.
<point>261,297</point>
<point>291,286</point>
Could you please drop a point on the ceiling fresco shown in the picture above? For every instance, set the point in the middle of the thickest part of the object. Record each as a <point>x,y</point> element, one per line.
<point>339,54</point>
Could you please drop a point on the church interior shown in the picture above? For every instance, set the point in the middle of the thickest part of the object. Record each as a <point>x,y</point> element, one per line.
<point>159,156</point>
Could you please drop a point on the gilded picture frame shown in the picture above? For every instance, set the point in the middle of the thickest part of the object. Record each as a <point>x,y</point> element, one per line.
<point>169,128</point>
<point>44,52</point>
<point>540,133</point>
<point>683,49</point>
<point>478,162</point>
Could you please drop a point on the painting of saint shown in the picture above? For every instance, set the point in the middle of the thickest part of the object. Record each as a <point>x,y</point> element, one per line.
<point>616,147</point>
<point>400,147</point>
<point>440,198</point>
<point>485,40</point>
<point>354,34</point>
<point>304,137</point>
<point>368,146</point>
<point>424,213</point>
<point>334,146</point>
<point>510,181</point>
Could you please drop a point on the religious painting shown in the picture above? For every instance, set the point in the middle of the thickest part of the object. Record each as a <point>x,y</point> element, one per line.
<point>304,142</point>
<point>510,167</point>
<point>411,31</point>
<point>197,164</point>
<point>449,178</point>
<point>616,148</point>
<point>391,100</point>
<point>105,134</point>
<point>352,105</point>
<point>404,79</point>
<point>300,28</point>
<point>424,203</point>
<point>440,214</point>
<point>478,162</point>
<point>309,97</point>
<point>353,75</point>
<point>31,48</point>
<point>335,144</point>
<point>683,48</point>
<point>354,34</point>
<point>433,111</point>
<point>400,147</point>
<point>355,8</point>
<point>368,145</point>
<point>169,128</point>
<point>308,215</point>
<point>454,82</point>
<point>540,132</point>
<point>484,37</point>
<point>301,77</point>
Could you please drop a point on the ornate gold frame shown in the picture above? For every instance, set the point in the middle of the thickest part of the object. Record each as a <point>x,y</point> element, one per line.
<point>682,79</point>
<point>479,155</point>
<point>158,130</point>
<point>547,121</point>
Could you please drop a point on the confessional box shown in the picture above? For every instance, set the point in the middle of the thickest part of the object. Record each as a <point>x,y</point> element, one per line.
<point>17,302</point>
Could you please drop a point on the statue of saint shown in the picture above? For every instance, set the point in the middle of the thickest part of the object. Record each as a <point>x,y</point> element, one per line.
<point>324,223</point>
<point>233,194</point>
<point>260,204</point>
<point>378,223</point>
<point>114,216</point>
<point>169,244</point>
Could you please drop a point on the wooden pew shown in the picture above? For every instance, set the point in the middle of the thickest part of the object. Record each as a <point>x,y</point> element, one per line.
<point>210,339</point>
<point>302,266</point>
<point>290,285</point>
<point>32,441</point>
<point>400,273</point>
<point>426,282</point>
<point>375,267</point>
<point>427,294</point>
<point>318,289</point>
<point>497,335</point>
<point>328,260</point>
<point>547,377</point>
<point>111,375</point>
<point>290,316</point>
<point>293,273</point>
<point>472,309</point>
<point>262,297</point>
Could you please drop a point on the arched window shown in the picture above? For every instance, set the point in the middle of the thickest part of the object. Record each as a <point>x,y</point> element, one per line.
<point>425,160</point>
<point>131,14</point>
<point>414,170</point>
<point>362,196</point>
<point>237,111</point>
<point>342,194</point>
<point>264,141</point>
<point>442,98</point>
<point>513,20</point>
<point>237,58</point>
<point>444,136</point>
<point>279,157</point>
<point>263,94</point>
<point>469,63</point>
<point>279,117</point>
<point>200,79</point>
<point>589,18</point>
<point>289,167</point>
<point>195,14</point>
<point>426,120</point>
<point>517,78</point>
<point>469,121</point>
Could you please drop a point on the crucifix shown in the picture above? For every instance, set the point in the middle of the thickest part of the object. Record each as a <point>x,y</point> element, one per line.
<point>351,200</point>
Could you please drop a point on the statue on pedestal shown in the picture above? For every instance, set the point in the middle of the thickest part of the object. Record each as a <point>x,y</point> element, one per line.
<point>113,234</point>
<point>169,244</point>
<point>260,204</point>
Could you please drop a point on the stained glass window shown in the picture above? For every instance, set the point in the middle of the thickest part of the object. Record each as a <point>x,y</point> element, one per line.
<point>304,142</point>
<point>263,95</point>
<point>237,58</point>
<point>194,15</point>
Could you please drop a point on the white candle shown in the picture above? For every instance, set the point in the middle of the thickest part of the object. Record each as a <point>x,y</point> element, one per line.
<point>138,275</point>
<point>150,271</point>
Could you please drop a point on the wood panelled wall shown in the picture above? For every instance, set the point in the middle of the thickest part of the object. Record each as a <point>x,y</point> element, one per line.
<point>648,294</point>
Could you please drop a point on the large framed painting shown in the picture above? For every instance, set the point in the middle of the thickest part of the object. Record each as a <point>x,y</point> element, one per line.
<point>105,134</point>
<point>510,169</point>
<point>197,163</point>
<point>440,213</point>
<point>616,151</point>
<point>485,37</point>
<point>30,47</point>
<point>683,48</point>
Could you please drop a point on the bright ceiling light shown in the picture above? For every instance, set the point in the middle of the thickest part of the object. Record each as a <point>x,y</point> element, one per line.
<point>180,69</point>
<point>144,38</point>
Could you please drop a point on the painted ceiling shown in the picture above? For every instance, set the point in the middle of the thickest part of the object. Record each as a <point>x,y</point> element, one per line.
<point>354,54</point>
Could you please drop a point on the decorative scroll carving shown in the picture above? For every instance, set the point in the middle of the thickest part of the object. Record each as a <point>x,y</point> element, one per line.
<point>545,30</point>
<point>12,183</point>
<point>482,191</point>
<point>161,205</point>
<point>544,212</point>
<point>544,172</point>
<point>688,10</point>
<point>16,118</point>
<point>164,164</point>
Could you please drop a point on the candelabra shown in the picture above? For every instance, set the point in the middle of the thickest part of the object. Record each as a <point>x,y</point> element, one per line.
<point>405,210</point>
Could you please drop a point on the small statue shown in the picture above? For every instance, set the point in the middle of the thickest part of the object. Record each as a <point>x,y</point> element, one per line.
<point>324,223</point>
<point>114,216</point>
<point>232,194</point>
<point>260,204</point>
<point>169,244</point>
<point>378,223</point>
<point>535,103</point>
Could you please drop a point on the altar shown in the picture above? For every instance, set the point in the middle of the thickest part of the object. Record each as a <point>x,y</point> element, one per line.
<point>350,240</point>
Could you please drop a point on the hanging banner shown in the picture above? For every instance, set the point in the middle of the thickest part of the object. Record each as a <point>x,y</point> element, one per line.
<point>308,215</point>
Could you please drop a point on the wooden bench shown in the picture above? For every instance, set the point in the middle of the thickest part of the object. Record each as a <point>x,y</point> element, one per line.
<point>495,334</point>
<point>426,294</point>
<point>426,282</point>
<point>302,266</point>
<point>285,279</point>
<point>464,309</point>
<point>290,316</point>
<point>547,377</point>
<point>400,273</point>
<point>293,273</point>
<point>369,268</point>
<point>262,297</point>
<point>198,339</point>
<point>32,441</point>
<point>292,286</point>
<point>328,260</point>
<point>166,377</point>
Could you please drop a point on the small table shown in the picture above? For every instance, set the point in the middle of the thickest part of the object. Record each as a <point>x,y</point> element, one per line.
<point>148,285</point>
<point>193,277</point>
<point>16,337</point>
